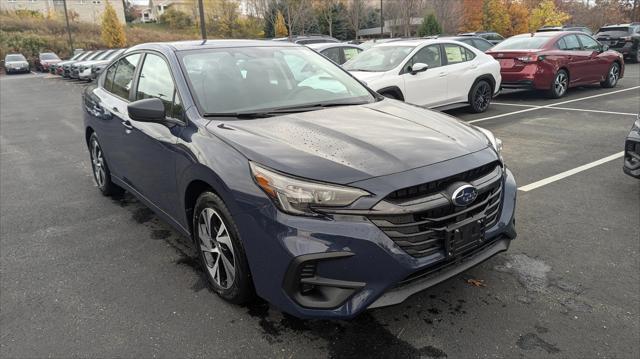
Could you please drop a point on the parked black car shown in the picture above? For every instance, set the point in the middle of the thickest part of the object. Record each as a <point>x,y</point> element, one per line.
<point>16,63</point>
<point>491,36</point>
<point>624,38</point>
<point>632,151</point>
<point>479,43</point>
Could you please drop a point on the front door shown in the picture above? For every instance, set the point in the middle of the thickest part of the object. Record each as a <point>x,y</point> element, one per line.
<point>427,88</point>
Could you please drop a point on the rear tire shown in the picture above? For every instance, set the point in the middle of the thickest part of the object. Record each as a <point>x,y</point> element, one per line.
<point>220,249</point>
<point>100,169</point>
<point>480,96</point>
<point>613,75</point>
<point>559,85</point>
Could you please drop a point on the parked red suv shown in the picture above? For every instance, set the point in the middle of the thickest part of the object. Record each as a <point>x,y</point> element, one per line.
<point>555,61</point>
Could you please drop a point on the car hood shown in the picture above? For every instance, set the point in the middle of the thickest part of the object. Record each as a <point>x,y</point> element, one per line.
<point>367,77</point>
<point>351,143</point>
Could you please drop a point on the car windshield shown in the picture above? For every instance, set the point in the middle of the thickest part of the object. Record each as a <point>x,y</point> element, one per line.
<point>94,55</point>
<point>49,56</point>
<point>11,58</point>
<point>379,58</point>
<point>113,54</point>
<point>522,43</point>
<point>231,81</point>
<point>614,31</point>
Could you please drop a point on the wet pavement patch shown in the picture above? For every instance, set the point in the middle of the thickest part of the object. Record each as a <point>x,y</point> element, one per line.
<point>531,272</point>
<point>142,215</point>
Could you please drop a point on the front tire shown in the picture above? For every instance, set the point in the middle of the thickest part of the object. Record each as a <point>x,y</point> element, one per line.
<point>560,84</point>
<point>101,173</point>
<point>220,250</point>
<point>480,96</point>
<point>613,75</point>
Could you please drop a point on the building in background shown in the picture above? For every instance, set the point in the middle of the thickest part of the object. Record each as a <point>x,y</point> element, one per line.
<point>79,10</point>
<point>155,9</point>
<point>392,28</point>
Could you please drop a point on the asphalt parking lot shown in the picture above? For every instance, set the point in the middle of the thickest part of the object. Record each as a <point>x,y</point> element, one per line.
<point>84,275</point>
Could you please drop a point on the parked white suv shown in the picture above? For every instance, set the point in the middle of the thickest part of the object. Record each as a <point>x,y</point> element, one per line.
<point>430,73</point>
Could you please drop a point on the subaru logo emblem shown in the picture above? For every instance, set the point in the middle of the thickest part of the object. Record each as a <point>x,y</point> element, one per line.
<point>464,195</point>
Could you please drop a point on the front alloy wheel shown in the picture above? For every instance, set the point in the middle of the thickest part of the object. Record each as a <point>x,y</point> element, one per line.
<point>560,84</point>
<point>221,251</point>
<point>217,249</point>
<point>612,76</point>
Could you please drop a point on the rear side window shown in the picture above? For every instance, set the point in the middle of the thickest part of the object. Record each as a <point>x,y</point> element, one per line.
<point>570,43</point>
<point>122,76</point>
<point>350,52</point>
<point>333,54</point>
<point>156,82</point>
<point>456,54</point>
<point>588,43</point>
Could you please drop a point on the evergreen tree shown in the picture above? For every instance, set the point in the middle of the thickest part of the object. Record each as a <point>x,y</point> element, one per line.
<point>112,31</point>
<point>429,26</point>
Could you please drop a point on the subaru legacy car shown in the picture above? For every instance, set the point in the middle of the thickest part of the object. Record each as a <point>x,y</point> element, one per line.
<point>16,63</point>
<point>297,183</point>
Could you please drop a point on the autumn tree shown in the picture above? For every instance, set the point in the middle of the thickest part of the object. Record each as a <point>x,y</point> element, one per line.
<point>546,14</point>
<point>472,13</point>
<point>519,14</point>
<point>496,16</point>
<point>280,26</point>
<point>112,31</point>
<point>429,26</point>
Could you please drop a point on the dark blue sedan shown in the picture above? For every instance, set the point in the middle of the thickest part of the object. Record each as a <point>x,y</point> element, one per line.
<point>295,181</point>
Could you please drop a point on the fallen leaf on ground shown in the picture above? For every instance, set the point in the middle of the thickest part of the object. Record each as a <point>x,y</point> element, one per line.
<point>476,282</point>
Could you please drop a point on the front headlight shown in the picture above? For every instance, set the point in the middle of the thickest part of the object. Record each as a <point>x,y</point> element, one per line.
<point>496,143</point>
<point>299,196</point>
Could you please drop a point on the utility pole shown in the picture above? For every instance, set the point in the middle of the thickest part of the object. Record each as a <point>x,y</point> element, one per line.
<point>381,21</point>
<point>66,18</point>
<point>203,29</point>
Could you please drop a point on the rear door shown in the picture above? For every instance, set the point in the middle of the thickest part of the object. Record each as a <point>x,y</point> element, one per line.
<point>427,88</point>
<point>461,66</point>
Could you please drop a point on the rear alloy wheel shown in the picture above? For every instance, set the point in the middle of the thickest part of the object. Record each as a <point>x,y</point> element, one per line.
<point>480,96</point>
<point>101,173</point>
<point>221,253</point>
<point>612,76</point>
<point>559,85</point>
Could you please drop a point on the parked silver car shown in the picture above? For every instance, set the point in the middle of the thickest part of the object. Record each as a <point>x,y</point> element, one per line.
<point>16,63</point>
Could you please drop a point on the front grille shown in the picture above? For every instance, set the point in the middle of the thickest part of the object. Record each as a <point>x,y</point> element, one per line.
<point>419,226</point>
<point>632,154</point>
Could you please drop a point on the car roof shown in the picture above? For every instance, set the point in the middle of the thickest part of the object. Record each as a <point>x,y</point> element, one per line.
<point>417,42</point>
<point>549,34</point>
<point>328,45</point>
<point>458,38</point>
<point>210,44</point>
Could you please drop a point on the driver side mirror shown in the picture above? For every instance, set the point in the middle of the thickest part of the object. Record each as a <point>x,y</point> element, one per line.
<point>147,110</point>
<point>604,48</point>
<point>418,67</point>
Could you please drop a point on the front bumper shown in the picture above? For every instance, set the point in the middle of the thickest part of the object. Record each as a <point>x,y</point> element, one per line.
<point>85,75</point>
<point>338,267</point>
<point>632,155</point>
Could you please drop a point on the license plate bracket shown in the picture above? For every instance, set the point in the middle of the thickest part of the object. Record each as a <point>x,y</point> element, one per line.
<point>464,236</point>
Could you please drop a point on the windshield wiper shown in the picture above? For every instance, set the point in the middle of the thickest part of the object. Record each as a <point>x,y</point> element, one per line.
<point>282,110</point>
<point>362,70</point>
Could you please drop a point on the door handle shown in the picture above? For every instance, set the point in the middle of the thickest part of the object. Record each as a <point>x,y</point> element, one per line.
<point>127,125</point>
<point>115,109</point>
<point>442,74</point>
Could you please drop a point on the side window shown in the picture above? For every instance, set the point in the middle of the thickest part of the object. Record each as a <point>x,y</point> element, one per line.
<point>333,54</point>
<point>482,45</point>
<point>123,77</point>
<point>156,82</point>
<point>588,43</point>
<point>561,44</point>
<point>470,54</point>
<point>571,42</point>
<point>429,55</point>
<point>455,54</point>
<point>350,52</point>
<point>108,78</point>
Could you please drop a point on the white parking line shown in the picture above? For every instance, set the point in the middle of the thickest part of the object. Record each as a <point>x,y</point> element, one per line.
<point>564,108</point>
<point>553,104</point>
<point>568,173</point>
